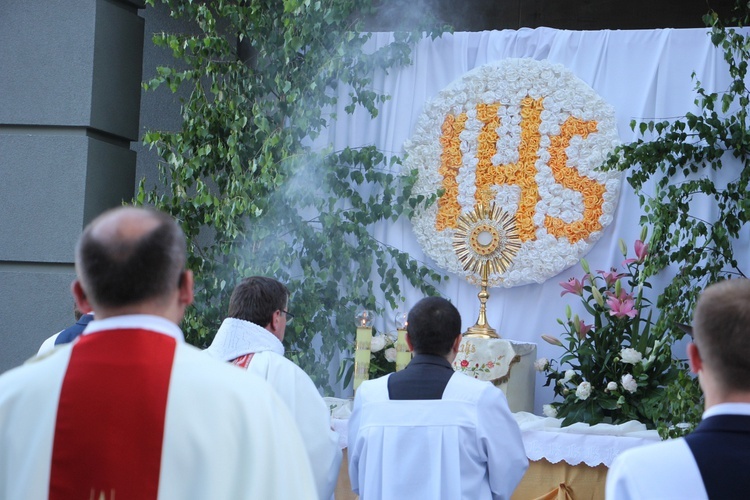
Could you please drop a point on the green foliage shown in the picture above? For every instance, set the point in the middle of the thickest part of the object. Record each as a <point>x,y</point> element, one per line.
<point>252,195</point>
<point>669,169</point>
<point>681,408</point>
<point>614,369</point>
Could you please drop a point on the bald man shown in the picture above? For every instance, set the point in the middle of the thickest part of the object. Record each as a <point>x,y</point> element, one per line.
<point>129,410</point>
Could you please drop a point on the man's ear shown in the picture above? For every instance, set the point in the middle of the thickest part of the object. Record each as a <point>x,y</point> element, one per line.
<point>79,295</point>
<point>408,342</point>
<point>694,357</point>
<point>185,288</point>
<point>457,343</point>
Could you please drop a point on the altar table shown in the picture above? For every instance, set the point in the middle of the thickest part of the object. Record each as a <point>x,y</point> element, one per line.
<point>565,463</point>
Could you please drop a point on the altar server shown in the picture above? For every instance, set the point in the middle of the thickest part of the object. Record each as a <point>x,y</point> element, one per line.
<point>251,338</point>
<point>428,432</point>
<point>129,410</point>
<point>713,460</point>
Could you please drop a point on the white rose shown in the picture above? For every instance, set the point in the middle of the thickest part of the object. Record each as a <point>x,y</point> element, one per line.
<point>549,411</point>
<point>583,391</point>
<point>629,383</point>
<point>541,364</point>
<point>377,343</point>
<point>569,374</point>
<point>612,386</point>
<point>630,355</point>
<point>390,354</point>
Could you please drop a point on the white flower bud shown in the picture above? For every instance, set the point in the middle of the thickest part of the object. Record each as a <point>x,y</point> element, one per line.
<point>583,391</point>
<point>390,354</point>
<point>630,356</point>
<point>549,411</point>
<point>541,364</point>
<point>629,383</point>
<point>377,343</point>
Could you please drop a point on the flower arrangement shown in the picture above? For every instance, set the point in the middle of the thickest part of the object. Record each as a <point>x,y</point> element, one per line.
<point>613,368</point>
<point>527,136</point>
<point>383,354</point>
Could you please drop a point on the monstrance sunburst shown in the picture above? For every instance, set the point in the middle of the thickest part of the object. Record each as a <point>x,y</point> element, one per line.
<point>486,241</point>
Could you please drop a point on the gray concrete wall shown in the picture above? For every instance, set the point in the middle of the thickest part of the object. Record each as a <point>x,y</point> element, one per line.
<point>70,74</point>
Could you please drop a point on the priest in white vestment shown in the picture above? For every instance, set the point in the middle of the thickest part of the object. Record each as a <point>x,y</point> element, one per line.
<point>428,432</point>
<point>128,409</point>
<point>713,460</point>
<point>251,339</point>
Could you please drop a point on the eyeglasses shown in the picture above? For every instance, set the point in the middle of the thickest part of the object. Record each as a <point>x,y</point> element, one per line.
<point>289,316</point>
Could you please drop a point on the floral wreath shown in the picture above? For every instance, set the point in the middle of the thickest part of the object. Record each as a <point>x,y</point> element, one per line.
<point>526,136</point>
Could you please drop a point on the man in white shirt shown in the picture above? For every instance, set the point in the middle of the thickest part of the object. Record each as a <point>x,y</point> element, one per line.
<point>251,338</point>
<point>428,432</point>
<point>130,410</point>
<point>713,460</point>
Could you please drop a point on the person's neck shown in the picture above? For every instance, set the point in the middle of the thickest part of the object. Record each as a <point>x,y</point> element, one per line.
<point>448,357</point>
<point>728,397</point>
<point>173,314</point>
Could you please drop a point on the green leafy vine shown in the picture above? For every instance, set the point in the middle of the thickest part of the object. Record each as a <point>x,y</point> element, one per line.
<point>669,167</point>
<point>252,193</point>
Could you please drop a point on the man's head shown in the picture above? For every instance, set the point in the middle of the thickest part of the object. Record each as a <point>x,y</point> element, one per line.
<point>262,301</point>
<point>132,260</point>
<point>721,332</point>
<point>434,325</point>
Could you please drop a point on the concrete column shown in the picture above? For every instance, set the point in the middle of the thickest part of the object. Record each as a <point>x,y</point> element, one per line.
<point>70,74</point>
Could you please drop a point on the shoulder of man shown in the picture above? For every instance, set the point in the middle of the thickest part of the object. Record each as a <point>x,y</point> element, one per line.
<point>466,388</point>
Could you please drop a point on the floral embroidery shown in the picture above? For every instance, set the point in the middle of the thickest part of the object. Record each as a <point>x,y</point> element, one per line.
<point>527,135</point>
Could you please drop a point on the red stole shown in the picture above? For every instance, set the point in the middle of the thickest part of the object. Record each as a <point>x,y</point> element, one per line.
<point>243,361</point>
<point>110,417</point>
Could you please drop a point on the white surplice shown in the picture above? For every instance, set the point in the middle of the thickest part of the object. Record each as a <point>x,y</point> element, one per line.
<point>466,445</point>
<point>226,433</point>
<point>237,338</point>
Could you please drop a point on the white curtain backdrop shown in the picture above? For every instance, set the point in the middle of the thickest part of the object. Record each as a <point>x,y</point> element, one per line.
<point>643,74</point>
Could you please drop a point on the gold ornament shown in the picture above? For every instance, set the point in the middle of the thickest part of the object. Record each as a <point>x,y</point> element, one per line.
<point>486,241</point>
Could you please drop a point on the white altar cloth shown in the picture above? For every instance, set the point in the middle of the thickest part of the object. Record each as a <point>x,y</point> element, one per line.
<point>543,437</point>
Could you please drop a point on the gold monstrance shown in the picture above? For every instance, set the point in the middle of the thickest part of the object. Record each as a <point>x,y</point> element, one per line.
<point>486,241</point>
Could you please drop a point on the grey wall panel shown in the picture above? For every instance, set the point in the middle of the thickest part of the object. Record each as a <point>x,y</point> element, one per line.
<point>160,108</point>
<point>41,195</point>
<point>46,61</point>
<point>42,305</point>
<point>110,178</point>
<point>52,186</point>
<point>117,69</point>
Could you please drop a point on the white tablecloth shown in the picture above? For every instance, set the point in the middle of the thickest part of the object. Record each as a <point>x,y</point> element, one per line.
<point>543,437</point>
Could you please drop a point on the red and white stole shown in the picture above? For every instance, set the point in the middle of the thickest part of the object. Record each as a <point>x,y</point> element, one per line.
<point>110,418</point>
<point>243,361</point>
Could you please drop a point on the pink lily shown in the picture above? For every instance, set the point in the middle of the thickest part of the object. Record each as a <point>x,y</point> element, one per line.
<point>583,329</point>
<point>641,251</point>
<point>621,306</point>
<point>572,286</point>
<point>611,276</point>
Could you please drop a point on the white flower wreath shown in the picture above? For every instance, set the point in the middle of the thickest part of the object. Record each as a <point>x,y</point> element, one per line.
<point>527,136</point>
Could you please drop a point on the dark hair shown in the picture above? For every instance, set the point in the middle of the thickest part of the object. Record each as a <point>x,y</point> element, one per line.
<point>256,298</point>
<point>433,325</point>
<point>119,265</point>
<point>721,330</point>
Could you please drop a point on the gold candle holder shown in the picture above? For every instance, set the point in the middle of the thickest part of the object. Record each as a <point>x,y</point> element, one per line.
<point>363,341</point>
